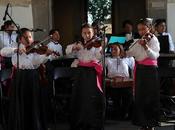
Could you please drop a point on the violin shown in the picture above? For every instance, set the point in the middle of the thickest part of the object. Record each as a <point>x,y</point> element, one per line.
<point>146,37</point>
<point>38,46</point>
<point>34,48</point>
<point>94,42</point>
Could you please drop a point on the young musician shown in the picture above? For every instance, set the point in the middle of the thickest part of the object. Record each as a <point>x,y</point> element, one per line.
<point>91,53</point>
<point>7,39</point>
<point>8,35</point>
<point>160,28</point>
<point>54,44</point>
<point>146,52</point>
<point>128,30</point>
<point>26,110</point>
<point>87,107</point>
<point>118,70</point>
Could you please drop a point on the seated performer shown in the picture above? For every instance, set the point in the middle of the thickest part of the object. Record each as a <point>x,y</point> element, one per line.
<point>118,70</point>
<point>26,111</point>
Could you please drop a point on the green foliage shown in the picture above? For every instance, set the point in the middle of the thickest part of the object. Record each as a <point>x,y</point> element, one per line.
<point>100,9</point>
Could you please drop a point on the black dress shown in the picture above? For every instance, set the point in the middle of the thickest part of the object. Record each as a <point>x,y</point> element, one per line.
<point>147,96</point>
<point>88,102</point>
<point>26,105</point>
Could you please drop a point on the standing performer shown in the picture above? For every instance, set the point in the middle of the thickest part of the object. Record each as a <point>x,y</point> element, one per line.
<point>146,52</point>
<point>84,46</point>
<point>7,39</point>
<point>54,44</point>
<point>160,30</point>
<point>26,110</point>
<point>87,104</point>
<point>8,35</point>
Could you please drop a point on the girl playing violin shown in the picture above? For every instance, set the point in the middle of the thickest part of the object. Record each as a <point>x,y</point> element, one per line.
<point>87,109</point>
<point>85,49</point>
<point>26,105</point>
<point>146,52</point>
<point>89,49</point>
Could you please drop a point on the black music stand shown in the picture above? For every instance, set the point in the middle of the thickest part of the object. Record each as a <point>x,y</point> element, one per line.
<point>164,48</point>
<point>164,43</point>
<point>60,73</point>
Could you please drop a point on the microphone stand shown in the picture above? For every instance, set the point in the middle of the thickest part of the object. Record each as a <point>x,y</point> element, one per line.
<point>104,56</point>
<point>104,67</point>
<point>16,83</point>
<point>18,29</point>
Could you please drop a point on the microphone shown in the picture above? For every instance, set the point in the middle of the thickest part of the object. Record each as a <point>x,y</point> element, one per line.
<point>6,12</point>
<point>38,30</point>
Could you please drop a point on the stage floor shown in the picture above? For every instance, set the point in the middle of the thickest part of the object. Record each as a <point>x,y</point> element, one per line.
<point>114,125</point>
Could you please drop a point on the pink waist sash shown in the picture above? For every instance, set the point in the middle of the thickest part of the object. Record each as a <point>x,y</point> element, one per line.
<point>148,61</point>
<point>99,69</point>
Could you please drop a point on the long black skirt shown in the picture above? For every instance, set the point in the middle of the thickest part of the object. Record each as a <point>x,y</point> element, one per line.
<point>88,102</point>
<point>147,97</point>
<point>26,104</point>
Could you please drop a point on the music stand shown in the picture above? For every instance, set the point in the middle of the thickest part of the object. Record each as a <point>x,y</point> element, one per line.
<point>164,48</point>
<point>164,43</point>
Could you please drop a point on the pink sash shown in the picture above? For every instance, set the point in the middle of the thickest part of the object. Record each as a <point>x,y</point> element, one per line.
<point>146,62</point>
<point>99,69</point>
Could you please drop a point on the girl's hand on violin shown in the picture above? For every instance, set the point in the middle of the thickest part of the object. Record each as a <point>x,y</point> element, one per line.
<point>148,36</point>
<point>56,54</point>
<point>143,43</point>
<point>49,52</point>
<point>21,51</point>
<point>76,48</point>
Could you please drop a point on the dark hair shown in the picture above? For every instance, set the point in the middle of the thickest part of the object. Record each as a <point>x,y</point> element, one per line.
<point>146,21</point>
<point>119,46</point>
<point>86,25</point>
<point>159,21</point>
<point>52,31</point>
<point>6,24</point>
<point>127,22</point>
<point>21,33</point>
<point>96,23</point>
<point>2,28</point>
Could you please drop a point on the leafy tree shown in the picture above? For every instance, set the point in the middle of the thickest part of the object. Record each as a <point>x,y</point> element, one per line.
<point>100,9</point>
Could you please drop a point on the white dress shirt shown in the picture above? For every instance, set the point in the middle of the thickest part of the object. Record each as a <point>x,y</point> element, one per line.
<point>139,53</point>
<point>26,61</point>
<point>84,54</point>
<point>56,47</point>
<point>7,40</point>
<point>119,66</point>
